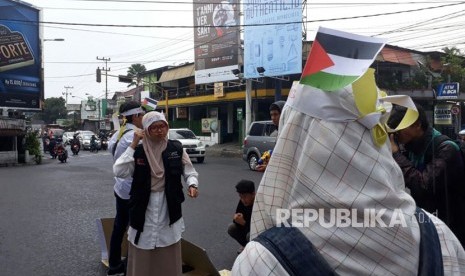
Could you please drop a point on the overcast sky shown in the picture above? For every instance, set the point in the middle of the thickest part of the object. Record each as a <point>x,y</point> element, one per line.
<point>419,25</point>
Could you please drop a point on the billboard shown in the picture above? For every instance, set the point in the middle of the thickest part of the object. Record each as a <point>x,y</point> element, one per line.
<point>91,109</point>
<point>272,37</point>
<point>21,81</point>
<point>216,40</point>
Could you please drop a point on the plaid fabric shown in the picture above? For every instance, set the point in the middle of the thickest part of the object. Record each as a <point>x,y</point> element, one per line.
<point>319,164</point>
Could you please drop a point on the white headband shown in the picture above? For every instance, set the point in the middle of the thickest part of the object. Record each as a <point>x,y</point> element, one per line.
<point>133,111</point>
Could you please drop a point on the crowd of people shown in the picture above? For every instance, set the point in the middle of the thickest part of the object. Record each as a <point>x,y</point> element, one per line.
<point>316,165</point>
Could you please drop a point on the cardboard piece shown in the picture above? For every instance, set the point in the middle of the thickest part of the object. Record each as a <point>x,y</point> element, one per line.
<point>195,259</point>
<point>104,229</point>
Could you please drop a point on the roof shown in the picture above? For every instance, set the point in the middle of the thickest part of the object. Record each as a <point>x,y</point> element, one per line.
<point>178,73</point>
<point>397,56</point>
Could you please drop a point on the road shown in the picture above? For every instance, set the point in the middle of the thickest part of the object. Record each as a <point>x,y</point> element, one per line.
<point>48,213</point>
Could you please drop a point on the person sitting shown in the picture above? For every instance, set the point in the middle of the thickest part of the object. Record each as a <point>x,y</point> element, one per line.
<point>240,228</point>
<point>75,140</point>
<point>93,143</point>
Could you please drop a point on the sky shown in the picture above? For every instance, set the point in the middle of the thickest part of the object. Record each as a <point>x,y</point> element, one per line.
<point>160,32</point>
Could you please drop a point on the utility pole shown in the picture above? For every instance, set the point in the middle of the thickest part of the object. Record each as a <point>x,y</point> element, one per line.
<point>106,69</point>
<point>66,93</point>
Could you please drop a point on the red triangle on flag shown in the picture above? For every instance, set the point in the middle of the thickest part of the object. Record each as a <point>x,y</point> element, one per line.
<point>317,60</point>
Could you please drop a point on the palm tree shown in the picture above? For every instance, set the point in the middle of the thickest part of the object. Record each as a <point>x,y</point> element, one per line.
<point>135,71</point>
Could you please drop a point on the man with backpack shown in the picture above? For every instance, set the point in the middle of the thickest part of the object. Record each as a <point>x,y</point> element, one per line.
<point>433,169</point>
<point>119,142</point>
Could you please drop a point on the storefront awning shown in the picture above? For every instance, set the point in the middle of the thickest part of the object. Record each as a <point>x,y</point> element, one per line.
<point>178,73</point>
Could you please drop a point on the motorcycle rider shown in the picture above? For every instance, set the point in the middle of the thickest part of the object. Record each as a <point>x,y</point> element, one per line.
<point>52,147</point>
<point>60,150</point>
<point>75,142</point>
<point>93,143</point>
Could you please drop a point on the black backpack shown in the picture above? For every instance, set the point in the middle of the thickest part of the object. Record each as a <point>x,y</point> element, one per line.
<point>117,141</point>
<point>459,144</point>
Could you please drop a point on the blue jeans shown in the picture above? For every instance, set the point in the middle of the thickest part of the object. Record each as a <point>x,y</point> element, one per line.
<point>119,229</point>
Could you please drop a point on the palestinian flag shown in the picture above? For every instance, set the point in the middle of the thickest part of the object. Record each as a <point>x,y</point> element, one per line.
<point>338,58</point>
<point>149,104</point>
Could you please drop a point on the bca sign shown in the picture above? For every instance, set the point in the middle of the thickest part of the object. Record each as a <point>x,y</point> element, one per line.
<point>447,91</point>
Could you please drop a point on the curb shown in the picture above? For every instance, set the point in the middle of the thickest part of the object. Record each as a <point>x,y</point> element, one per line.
<point>223,152</point>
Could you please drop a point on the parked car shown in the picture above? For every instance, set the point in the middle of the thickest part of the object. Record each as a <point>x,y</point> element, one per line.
<point>194,147</point>
<point>56,133</point>
<point>67,136</point>
<point>260,138</point>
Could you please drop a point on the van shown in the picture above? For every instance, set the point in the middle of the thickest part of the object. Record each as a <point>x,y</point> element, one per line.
<point>260,138</point>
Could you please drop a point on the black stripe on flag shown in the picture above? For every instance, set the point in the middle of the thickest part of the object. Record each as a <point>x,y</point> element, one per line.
<point>348,48</point>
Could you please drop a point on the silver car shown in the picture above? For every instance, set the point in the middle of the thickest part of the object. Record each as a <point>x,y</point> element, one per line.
<point>260,138</point>
<point>194,147</point>
<point>85,136</point>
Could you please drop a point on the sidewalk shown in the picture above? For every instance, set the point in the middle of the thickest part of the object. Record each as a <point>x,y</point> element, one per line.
<point>225,150</point>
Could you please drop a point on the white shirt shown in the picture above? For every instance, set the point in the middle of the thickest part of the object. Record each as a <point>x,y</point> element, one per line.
<point>122,186</point>
<point>157,232</point>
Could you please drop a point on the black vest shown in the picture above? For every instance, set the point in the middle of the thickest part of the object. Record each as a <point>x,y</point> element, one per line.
<point>141,185</point>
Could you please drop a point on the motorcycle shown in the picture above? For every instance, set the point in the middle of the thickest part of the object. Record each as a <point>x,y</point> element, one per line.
<point>104,144</point>
<point>52,145</point>
<point>62,153</point>
<point>75,146</point>
<point>94,145</point>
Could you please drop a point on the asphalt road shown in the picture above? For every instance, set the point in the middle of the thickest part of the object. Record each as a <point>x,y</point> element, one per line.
<point>48,213</point>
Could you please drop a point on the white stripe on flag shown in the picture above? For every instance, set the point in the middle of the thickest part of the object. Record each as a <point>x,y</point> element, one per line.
<point>347,66</point>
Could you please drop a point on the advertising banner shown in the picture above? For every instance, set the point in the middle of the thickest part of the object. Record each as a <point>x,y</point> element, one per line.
<point>443,114</point>
<point>210,125</point>
<point>272,37</point>
<point>21,81</point>
<point>91,109</point>
<point>216,40</point>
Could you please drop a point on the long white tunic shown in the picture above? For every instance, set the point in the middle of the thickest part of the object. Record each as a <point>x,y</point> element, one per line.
<point>157,231</point>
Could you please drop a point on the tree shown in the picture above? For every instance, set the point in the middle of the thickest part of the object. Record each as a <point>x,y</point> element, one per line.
<point>135,71</point>
<point>54,108</point>
<point>453,63</point>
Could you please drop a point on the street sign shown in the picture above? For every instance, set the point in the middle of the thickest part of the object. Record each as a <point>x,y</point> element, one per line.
<point>447,91</point>
<point>455,110</point>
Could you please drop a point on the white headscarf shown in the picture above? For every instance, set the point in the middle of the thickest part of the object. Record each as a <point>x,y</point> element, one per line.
<point>334,164</point>
<point>154,149</point>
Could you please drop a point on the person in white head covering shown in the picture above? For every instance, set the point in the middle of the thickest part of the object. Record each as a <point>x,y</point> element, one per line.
<point>329,164</point>
<point>156,223</point>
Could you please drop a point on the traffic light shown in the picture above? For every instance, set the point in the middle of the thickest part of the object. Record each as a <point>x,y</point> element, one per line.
<point>99,74</point>
<point>126,79</point>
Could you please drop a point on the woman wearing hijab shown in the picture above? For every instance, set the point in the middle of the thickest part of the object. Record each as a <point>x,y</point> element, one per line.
<point>156,224</point>
<point>326,160</point>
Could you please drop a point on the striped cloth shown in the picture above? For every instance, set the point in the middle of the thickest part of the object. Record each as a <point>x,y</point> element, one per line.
<point>318,164</point>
